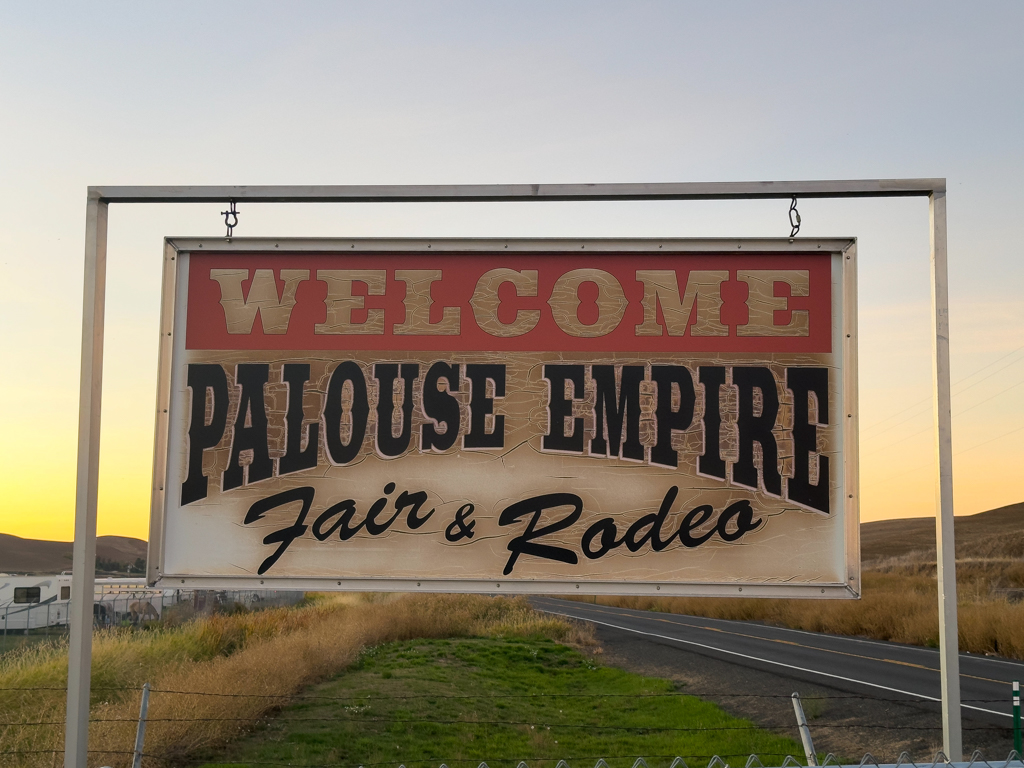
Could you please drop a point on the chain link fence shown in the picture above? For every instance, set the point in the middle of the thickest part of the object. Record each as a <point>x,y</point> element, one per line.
<point>134,607</point>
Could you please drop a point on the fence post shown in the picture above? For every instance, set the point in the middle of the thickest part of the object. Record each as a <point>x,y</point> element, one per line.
<point>140,734</point>
<point>805,732</point>
<point>1016,716</point>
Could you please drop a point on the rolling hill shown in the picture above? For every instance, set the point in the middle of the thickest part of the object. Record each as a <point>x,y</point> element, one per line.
<point>997,533</point>
<point>18,555</point>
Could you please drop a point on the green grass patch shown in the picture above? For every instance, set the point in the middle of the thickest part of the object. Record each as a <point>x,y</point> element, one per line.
<point>463,701</point>
<point>16,641</point>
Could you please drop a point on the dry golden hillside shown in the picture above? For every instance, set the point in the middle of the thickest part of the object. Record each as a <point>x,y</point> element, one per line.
<point>998,533</point>
<point>18,555</point>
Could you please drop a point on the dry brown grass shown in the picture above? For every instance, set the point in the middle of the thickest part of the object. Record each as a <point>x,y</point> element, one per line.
<point>899,603</point>
<point>899,600</point>
<point>269,656</point>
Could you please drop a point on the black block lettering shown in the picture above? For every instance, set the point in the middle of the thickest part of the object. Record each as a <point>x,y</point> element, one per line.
<point>710,462</point>
<point>805,438</point>
<point>204,380</point>
<point>481,406</point>
<point>559,409</point>
<point>295,458</point>
<point>757,429</point>
<point>440,408</point>
<point>251,378</point>
<point>618,409</point>
<point>338,452</point>
<point>668,420</point>
<point>387,373</point>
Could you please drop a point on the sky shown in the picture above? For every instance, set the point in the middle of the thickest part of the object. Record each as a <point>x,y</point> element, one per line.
<point>526,92</point>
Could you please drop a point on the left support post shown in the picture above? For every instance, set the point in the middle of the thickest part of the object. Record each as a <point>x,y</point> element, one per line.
<point>83,579</point>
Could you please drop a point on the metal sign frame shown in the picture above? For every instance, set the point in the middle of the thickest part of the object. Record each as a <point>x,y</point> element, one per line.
<point>90,392</point>
<point>843,334</point>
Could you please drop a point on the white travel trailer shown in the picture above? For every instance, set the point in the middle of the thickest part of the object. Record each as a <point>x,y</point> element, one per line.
<point>31,602</point>
<point>28,602</point>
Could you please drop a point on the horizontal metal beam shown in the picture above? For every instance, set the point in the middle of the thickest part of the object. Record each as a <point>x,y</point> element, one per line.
<point>447,193</point>
<point>513,245</point>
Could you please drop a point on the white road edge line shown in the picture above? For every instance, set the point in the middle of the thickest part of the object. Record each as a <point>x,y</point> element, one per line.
<point>769,661</point>
<point>964,656</point>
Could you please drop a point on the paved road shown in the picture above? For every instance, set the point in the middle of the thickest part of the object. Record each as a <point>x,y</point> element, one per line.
<point>886,670</point>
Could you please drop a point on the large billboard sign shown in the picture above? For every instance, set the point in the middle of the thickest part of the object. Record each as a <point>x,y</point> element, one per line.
<point>584,416</point>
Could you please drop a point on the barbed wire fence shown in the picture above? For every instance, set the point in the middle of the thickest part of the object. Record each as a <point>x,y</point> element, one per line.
<point>269,704</point>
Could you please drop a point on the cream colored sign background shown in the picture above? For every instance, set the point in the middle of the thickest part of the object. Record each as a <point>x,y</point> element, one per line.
<point>206,542</point>
<point>789,542</point>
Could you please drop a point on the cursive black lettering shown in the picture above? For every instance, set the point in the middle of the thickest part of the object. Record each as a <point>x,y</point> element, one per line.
<point>605,530</point>
<point>416,501</point>
<point>695,518</point>
<point>372,526</point>
<point>525,544</point>
<point>344,511</point>
<point>743,514</point>
<point>283,536</point>
<point>461,527</point>
<point>653,523</point>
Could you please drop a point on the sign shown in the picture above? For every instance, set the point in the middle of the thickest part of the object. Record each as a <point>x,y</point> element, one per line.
<point>591,416</point>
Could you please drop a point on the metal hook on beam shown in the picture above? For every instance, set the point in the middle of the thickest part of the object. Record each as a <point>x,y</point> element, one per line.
<point>794,217</point>
<point>231,218</point>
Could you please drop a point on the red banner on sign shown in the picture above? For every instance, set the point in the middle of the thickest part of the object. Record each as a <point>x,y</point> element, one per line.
<point>510,302</point>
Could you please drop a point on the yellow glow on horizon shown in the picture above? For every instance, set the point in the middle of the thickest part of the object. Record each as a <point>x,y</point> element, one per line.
<point>39,500</point>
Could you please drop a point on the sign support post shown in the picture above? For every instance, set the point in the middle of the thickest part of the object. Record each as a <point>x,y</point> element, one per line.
<point>83,580</point>
<point>949,652</point>
<point>99,198</point>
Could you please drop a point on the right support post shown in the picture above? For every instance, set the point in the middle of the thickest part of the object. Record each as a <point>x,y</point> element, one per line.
<point>949,648</point>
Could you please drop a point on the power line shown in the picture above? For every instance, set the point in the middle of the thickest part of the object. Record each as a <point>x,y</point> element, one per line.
<point>928,400</point>
<point>919,467</point>
<point>958,413</point>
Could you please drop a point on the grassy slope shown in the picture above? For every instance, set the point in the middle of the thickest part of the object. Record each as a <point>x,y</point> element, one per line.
<point>499,701</point>
<point>272,656</point>
<point>995,533</point>
<point>18,555</point>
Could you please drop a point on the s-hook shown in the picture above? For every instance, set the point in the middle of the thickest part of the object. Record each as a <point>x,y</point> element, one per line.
<point>794,217</point>
<point>231,218</point>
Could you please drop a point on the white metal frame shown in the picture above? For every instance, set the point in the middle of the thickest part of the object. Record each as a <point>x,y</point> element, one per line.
<point>100,198</point>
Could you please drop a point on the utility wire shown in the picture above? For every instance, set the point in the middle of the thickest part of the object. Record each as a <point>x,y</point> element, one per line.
<point>928,400</point>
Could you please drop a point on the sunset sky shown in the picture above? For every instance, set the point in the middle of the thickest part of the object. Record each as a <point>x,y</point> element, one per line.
<point>532,92</point>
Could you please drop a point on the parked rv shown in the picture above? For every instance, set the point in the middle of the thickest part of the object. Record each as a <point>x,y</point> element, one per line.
<point>33,602</point>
